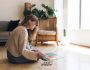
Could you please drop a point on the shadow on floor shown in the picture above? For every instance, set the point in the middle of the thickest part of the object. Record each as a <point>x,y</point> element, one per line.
<point>2,44</point>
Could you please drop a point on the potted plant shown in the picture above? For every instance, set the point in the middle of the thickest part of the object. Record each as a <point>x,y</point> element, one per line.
<point>49,10</point>
<point>39,13</point>
<point>27,9</point>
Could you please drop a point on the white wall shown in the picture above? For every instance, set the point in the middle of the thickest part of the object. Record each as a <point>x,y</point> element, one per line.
<point>59,13</point>
<point>13,9</point>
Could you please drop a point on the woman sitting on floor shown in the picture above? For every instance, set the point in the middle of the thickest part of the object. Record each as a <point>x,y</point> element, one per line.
<point>18,48</point>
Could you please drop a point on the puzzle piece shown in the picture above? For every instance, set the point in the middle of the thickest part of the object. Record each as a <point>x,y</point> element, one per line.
<point>52,55</point>
<point>46,63</point>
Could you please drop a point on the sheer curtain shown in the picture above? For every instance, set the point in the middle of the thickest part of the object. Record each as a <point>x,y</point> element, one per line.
<point>79,21</point>
<point>73,14</point>
<point>85,14</point>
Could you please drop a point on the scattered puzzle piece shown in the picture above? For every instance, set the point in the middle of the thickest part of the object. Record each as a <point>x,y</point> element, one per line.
<point>46,63</point>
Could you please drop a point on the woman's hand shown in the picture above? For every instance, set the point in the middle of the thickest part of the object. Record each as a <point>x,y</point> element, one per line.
<point>35,50</point>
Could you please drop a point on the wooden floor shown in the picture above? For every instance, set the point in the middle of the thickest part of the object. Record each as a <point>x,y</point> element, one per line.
<point>46,47</point>
<point>71,58</point>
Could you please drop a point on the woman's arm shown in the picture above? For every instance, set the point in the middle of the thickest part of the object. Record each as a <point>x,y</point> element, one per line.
<point>23,44</point>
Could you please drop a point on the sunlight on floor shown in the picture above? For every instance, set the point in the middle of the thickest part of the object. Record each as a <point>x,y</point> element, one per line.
<point>77,48</point>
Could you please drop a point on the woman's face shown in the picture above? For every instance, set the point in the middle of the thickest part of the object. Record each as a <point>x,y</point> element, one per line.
<point>32,24</point>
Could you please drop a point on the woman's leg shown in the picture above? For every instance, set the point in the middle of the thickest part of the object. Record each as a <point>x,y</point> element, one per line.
<point>23,60</point>
<point>18,60</point>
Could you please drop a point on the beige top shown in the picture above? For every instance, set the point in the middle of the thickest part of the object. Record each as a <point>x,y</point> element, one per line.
<point>18,44</point>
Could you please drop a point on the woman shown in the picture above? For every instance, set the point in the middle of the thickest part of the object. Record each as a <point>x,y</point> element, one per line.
<point>19,50</point>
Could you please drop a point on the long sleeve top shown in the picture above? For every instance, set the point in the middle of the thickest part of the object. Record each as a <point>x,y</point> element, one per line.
<point>18,44</point>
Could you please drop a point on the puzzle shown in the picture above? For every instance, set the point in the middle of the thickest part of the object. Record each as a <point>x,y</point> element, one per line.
<point>51,56</point>
<point>46,63</point>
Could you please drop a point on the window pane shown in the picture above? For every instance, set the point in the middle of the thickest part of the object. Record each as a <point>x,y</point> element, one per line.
<point>73,14</point>
<point>85,14</point>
